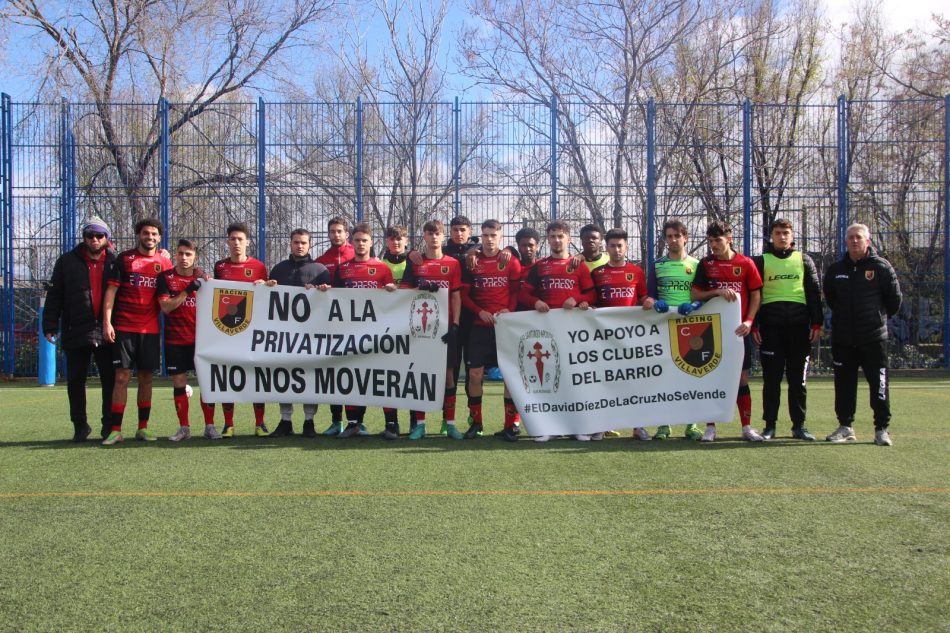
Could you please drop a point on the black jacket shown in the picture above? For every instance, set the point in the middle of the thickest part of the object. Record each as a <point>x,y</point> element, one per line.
<point>782,313</point>
<point>69,300</point>
<point>861,295</point>
<point>299,272</point>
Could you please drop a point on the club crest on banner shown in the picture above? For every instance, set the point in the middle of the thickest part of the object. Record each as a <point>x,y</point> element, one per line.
<point>696,343</point>
<point>539,362</point>
<point>232,310</point>
<point>424,316</point>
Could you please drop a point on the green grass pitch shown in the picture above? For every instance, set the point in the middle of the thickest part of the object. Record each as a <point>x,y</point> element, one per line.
<point>366,535</point>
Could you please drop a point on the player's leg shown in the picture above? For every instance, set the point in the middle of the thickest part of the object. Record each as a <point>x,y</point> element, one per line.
<point>178,361</point>
<point>744,396</point>
<point>772,358</point>
<point>512,428</point>
<point>845,363</point>
<point>354,417</point>
<point>336,420</point>
<point>798,350</point>
<point>148,361</point>
<point>391,432</point>
<point>77,366</point>
<point>309,411</point>
<point>123,360</point>
<point>260,429</point>
<point>874,366</point>
<point>285,427</point>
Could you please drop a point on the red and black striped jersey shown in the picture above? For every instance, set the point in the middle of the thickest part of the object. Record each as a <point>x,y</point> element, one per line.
<point>738,273</point>
<point>373,273</point>
<point>249,270</point>
<point>180,322</point>
<point>619,285</point>
<point>444,273</point>
<point>135,275</point>
<point>554,281</point>
<point>491,286</point>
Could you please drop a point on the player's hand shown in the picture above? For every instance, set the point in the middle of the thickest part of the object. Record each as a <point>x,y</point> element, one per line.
<point>756,336</point>
<point>164,253</point>
<point>814,335</point>
<point>486,317</point>
<point>194,285</point>
<point>323,287</point>
<point>51,337</point>
<point>308,286</point>
<point>661,306</point>
<point>429,286</point>
<point>647,303</point>
<point>687,308</point>
<point>578,260</point>
<point>728,294</point>
<point>583,305</point>
<point>541,306</point>
<point>451,334</point>
<point>470,258</point>
<point>389,287</point>
<point>569,303</point>
<point>259,282</point>
<point>504,257</point>
<point>415,257</point>
<point>206,277</point>
<point>271,283</point>
<point>744,328</point>
<point>108,332</point>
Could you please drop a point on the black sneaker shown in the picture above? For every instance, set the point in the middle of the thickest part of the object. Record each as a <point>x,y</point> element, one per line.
<point>81,432</point>
<point>284,428</point>
<point>801,433</point>
<point>106,429</point>
<point>473,431</point>
<point>352,429</point>
<point>511,433</point>
<point>308,429</point>
<point>768,433</point>
<point>390,433</point>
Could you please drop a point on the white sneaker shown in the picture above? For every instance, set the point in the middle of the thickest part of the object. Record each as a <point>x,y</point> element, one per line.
<point>211,432</point>
<point>543,438</point>
<point>596,437</point>
<point>751,435</point>
<point>709,434</point>
<point>580,437</point>
<point>183,433</point>
<point>844,434</point>
<point>881,438</point>
<point>641,434</point>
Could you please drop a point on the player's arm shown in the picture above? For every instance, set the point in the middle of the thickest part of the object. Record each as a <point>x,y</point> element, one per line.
<point>587,291</point>
<point>514,284</point>
<point>643,297</point>
<point>108,302</point>
<point>54,302</point>
<point>813,297</point>
<point>755,300</point>
<point>528,295</point>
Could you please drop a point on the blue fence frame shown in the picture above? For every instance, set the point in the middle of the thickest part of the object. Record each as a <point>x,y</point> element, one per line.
<point>296,164</point>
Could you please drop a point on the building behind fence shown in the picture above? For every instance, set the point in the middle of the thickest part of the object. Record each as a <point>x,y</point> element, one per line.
<point>279,166</point>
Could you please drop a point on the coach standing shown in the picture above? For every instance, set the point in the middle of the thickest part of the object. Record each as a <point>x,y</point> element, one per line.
<point>788,323</point>
<point>862,291</point>
<point>74,309</point>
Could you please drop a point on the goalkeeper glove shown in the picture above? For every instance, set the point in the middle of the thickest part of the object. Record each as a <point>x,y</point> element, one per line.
<point>686,308</point>
<point>661,306</point>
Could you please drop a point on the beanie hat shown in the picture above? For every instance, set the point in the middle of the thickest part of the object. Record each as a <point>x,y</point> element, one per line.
<point>96,224</point>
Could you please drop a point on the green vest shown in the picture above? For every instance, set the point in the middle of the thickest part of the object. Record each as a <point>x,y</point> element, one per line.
<point>597,263</point>
<point>784,279</point>
<point>674,278</point>
<point>397,269</point>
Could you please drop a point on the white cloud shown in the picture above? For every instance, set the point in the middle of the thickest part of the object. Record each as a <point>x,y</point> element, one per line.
<point>899,15</point>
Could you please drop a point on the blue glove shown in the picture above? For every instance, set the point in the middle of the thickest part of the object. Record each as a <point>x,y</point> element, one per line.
<point>686,308</point>
<point>661,306</point>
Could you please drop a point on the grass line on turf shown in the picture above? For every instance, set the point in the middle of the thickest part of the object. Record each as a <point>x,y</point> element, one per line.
<point>454,493</point>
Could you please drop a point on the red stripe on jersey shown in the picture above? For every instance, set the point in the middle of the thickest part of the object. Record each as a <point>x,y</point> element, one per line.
<point>738,273</point>
<point>136,305</point>
<point>180,323</point>
<point>373,273</point>
<point>444,272</point>
<point>249,270</point>
<point>492,287</point>
<point>619,285</point>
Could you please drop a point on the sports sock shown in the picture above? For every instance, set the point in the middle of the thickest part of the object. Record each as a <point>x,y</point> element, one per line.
<point>475,409</point>
<point>336,412</point>
<point>309,410</point>
<point>448,405</point>
<point>390,415</point>
<point>208,411</point>
<point>118,410</point>
<point>145,410</point>
<point>181,405</point>
<point>228,409</point>
<point>259,413</point>
<point>510,413</point>
<point>744,402</point>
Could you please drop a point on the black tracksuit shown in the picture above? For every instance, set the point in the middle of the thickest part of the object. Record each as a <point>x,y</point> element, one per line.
<point>862,295</point>
<point>785,327</point>
<point>69,311</point>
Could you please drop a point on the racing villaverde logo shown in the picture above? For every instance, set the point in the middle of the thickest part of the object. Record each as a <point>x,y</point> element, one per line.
<point>232,310</point>
<point>424,316</point>
<point>696,343</point>
<point>539,362</point>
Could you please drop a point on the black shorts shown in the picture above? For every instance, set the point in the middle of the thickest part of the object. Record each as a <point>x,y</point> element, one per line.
<point>452,353</point>
<point>179,359</point>
<point>747,353</point>
<point>481,350</point>
<point>136,351</point>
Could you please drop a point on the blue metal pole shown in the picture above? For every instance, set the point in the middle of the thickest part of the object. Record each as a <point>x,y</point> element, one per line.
<point>946,230</point>
<point>71,222</point>
<point>554,133</point>
<point>842,174</point>
<point>163,174</point>
<point>359,160</point>
<point>746,177</point>
<point>63,176</point>
<point>6,155</point>
<point>261,179</point>
<point>457,155</point>
<point>651,183</point>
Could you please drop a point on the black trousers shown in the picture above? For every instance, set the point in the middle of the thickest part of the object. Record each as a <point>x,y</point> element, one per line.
<point>77,367</point>
<point>784,352</point>
<point>872,359</point>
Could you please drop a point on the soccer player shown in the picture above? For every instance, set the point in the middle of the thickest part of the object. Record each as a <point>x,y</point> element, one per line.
<point>395,257</point>
<point>438,270</point>
<point>527,240</point>
<point>557,282</point>
<point>620,283</point>
<point>489,288</point>
<point>130,320</point>
<point>73,314</point>
<point>670,285</point>
<point>788,323</point>
<point>362,271</point>
<point>238,266</point>
<point>592,244</point>
<point>340,251</point>
<point>299,270</point>
<point>177,298</point>
<point>732,276</point>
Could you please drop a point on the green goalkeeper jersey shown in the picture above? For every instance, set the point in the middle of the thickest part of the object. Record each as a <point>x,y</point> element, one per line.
<point>673,278</point>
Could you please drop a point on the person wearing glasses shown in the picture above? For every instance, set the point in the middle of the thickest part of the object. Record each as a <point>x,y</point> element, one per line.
<point>73,316</point>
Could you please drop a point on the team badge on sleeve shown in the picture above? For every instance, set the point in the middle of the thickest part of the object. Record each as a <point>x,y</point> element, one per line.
<point>232,310</point>
<point>696,343</point>
<point>539,362</point>
<point>424,316</point>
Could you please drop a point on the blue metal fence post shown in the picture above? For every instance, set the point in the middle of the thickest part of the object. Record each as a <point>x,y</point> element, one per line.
<point>358,184</point>
<point>6,180</point>
<point>651,183</point>
<point>261,175</point>
<point>163,169</point>
<point>553,157</point>
<point>746,177</point>
<point>946,231</point>
<point>457,155</point>
<point>842,224</point>
<point>71,222</point>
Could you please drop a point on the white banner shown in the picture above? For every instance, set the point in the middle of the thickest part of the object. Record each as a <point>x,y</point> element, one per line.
<point>286,344</point>
<point>586,371</point>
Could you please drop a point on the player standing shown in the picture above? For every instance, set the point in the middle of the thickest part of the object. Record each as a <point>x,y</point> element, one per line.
<point>130,320</point>
<point>438,270</point>
<point>177,299</point>
<point>395,257</point>
<point>238,266</point>
<point>670,285</point>
<point>731,275</point>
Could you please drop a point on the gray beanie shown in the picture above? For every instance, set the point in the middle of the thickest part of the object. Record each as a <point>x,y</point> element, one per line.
<point>97,224</point>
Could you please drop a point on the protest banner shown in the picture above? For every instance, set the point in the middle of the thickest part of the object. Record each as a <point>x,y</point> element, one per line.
<point>343,346</point>
<point>586,371</point>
